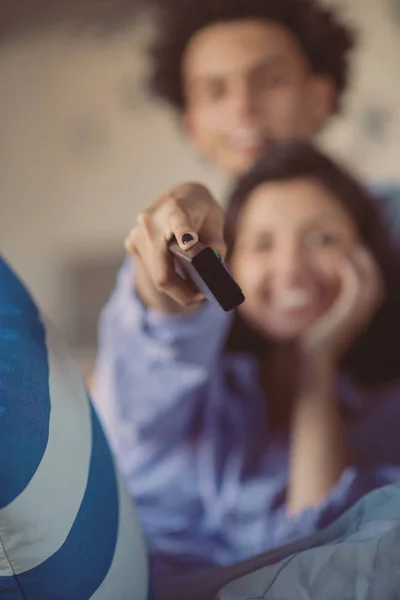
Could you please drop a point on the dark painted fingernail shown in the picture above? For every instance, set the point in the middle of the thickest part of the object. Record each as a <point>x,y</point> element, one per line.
<point>186,238</point>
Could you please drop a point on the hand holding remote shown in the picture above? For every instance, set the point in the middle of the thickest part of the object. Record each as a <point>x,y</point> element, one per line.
<point>187,212</point>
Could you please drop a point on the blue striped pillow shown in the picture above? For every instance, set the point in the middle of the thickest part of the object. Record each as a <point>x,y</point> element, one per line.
<point>67,527</point>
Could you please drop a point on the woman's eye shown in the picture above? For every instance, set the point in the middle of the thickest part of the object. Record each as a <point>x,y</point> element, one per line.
<point>320,239</point>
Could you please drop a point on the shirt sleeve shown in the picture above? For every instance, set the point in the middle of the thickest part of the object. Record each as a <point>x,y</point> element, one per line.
<point>152,369</point>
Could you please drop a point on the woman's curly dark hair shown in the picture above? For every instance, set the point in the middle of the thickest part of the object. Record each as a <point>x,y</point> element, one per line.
<point>325,40</point>
<point>374,358</point>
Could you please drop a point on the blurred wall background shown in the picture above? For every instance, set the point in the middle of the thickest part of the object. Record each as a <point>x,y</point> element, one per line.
<point>83,148</point>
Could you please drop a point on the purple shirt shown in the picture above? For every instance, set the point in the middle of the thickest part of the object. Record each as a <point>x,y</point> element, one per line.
<point>189,427</point>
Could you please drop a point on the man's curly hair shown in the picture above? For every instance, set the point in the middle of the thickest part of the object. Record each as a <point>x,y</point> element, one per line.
<point>325,40</point>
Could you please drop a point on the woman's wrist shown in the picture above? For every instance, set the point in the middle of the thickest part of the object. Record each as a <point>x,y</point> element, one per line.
<point>318,442</point>
<point>317,373</point>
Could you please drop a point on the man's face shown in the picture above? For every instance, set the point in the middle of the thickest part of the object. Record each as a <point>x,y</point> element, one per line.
<point>248,84</point>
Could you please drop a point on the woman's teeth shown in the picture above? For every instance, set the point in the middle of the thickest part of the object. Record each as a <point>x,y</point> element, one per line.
<point>293,300</point>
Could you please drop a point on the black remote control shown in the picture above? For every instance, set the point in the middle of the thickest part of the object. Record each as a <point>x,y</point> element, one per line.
<point>203,267</point>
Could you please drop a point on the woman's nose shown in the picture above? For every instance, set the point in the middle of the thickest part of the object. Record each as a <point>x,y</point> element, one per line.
<point>289,266</point>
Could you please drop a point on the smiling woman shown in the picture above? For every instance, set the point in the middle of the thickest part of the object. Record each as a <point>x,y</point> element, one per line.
<point>286,411</point>
<point>290,235</point>
<point>291,222</point>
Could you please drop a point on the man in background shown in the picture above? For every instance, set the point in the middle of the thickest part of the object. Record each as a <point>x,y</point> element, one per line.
<point>245,74</point>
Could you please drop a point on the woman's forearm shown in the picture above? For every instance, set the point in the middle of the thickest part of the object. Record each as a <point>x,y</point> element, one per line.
<point>318,452</point>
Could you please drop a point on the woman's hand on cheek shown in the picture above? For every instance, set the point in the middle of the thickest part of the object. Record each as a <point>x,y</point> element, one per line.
<point>361,293</point>
<point>319,452</point>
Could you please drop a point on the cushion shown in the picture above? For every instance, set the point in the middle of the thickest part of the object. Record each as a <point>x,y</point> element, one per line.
<point>68,530</point>
<point>356,558</point>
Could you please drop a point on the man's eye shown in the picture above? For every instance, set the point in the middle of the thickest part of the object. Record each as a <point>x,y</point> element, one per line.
<point>214,91</point>
<point>263,245</point>
<point>268,80</point>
